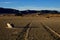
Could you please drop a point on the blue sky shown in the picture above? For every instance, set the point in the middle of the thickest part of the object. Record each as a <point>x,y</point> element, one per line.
<point>31,4</point>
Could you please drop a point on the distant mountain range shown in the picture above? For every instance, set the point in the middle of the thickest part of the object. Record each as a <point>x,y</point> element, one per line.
<point>8,10</point>
<point>14,11</point>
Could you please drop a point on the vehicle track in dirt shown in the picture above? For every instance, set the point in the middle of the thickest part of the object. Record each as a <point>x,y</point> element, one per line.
<point>53,34</point>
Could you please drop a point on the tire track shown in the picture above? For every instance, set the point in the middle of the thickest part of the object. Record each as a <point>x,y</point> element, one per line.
<point>25,33</point>
<point>54,34</point>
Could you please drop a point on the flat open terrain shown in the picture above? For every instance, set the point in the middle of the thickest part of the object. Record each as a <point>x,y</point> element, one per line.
<point>36,32</point>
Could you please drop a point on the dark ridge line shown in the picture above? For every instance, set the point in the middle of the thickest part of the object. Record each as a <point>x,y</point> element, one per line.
<point>19,12</point>
<point>21,27</point>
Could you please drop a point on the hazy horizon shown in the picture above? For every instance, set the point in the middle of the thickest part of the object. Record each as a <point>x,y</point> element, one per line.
<point>31,4</point>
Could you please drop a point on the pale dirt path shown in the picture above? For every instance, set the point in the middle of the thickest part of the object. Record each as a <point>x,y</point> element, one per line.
<point>38,32</point>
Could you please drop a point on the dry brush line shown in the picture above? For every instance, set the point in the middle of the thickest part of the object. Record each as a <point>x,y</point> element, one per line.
<point>25,32</point>
<point>54,34</point>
